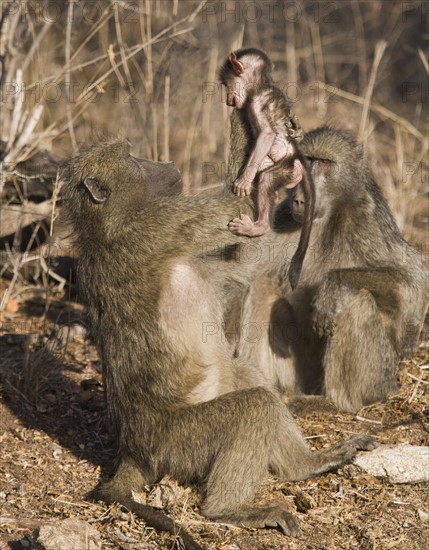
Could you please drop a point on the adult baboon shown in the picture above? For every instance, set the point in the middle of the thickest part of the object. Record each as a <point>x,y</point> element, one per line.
<point>363,292</point>
<point>179,404</point>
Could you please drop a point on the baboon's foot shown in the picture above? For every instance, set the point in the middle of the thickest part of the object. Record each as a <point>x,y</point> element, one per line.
<point>339,454</point>
<point>261,517</point>
<point>347,450</point>
<point>244,225</point>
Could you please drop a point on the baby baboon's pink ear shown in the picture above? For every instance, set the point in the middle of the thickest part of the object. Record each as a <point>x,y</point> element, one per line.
<point>238,67</point>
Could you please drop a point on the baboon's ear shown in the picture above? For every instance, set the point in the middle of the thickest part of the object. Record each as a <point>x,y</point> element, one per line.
<point>238,67</point>
<point>98,190</point>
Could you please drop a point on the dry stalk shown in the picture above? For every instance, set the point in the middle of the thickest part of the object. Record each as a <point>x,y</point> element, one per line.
<point>291,58</point>
<point>149,79</point>
<point>187,154</point>
<point>319,63</point>
<point>122,49</point>
<point>417,379</point>
<point>138,48</point>
<point>35,46</point>
<point>16,266</point>
<point>205,126</point>
<point>115,68</point>
<point>67,76</point>
<point>380,110</point>
<point>424,60</point>
<point>105,17</point>
<point>380,48</point>
<point>167,118</point>
<point>17,112</point>
<point>360,43</point>
<point>55,193</point>
<point>369,420</point>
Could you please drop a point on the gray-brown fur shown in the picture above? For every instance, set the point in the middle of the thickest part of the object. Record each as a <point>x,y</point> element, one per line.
<point>180,405</point>
<point>363,291</point>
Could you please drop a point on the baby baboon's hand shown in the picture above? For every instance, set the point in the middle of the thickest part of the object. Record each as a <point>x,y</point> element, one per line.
<point>242,186</point>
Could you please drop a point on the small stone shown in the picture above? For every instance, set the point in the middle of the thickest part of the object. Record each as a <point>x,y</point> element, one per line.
<point>398,463</point>
<point>70,534</point>
<point>303,502</point>
<point>423,516</point>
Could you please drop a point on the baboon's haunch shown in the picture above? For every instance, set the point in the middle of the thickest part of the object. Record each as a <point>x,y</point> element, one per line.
<point>180,405</point>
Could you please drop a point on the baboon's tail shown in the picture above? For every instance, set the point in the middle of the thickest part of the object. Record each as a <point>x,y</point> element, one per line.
<point>160,522</point>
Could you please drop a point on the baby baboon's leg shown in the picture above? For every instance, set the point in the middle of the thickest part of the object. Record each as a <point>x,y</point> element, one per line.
<point>244,225</point>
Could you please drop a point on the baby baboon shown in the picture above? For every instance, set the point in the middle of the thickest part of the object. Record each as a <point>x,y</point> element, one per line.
<point>363,291</point>
<point>180,405</point>
<point>276,159</point>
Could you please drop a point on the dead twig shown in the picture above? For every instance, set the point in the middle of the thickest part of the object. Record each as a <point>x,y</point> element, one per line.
<point>379,109</point>
<point>417,379</point>
<point>380,48</point>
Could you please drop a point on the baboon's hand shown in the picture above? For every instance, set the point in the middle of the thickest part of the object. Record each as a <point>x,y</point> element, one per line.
<point>326,306</point>
<point>242,186</point>
<point>323,314</point>
<point>273,516</point>
<point>285,521</point>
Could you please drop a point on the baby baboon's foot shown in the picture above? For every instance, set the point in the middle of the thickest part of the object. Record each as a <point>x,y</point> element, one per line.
<point>244,225</point>
<point>267,516</point>
<point>242,186</point>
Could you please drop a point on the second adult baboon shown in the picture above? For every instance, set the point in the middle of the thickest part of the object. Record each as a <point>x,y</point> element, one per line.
<point>363,291</point>
<point>180,405</point>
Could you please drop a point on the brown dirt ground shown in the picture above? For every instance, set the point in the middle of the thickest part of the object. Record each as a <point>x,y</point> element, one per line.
<point>55,443</point>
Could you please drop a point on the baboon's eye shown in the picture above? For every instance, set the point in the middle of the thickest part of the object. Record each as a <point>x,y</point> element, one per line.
<point>98,190</point>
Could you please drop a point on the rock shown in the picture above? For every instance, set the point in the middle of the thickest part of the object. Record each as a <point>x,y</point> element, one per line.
<point>73,332</point>
<point>303,502</point>
<point>398,463</point>
<point>423,516</point>
<point>70,534</point>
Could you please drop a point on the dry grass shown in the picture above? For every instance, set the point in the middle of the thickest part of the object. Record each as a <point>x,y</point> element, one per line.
<point>147,70</point>
<point>56,442</point>
<point>119,66</point>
